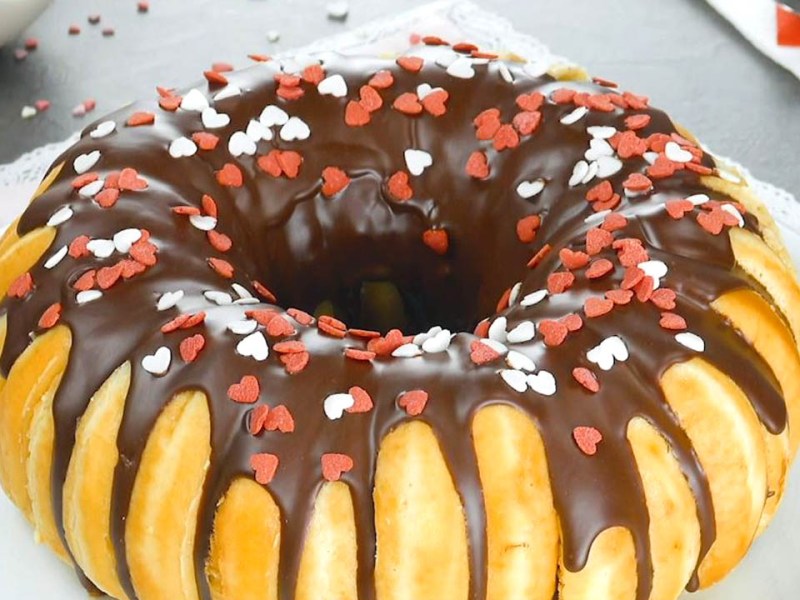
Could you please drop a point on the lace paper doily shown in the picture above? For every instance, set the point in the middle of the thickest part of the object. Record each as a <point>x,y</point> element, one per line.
<point>452,19</point>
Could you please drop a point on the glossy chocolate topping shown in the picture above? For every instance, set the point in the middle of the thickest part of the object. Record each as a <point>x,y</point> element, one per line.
<point>308,247</point>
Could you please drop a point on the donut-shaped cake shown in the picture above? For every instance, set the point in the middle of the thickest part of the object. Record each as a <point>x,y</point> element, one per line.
<point>443,327</point>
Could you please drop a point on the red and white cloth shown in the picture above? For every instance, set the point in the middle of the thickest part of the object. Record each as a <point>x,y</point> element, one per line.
<point>771,26</point>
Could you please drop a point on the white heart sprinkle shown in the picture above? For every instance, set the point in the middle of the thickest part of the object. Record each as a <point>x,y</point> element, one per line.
<point>529,189</point>
<point>84,162</point>
<point>424,89</point>
<point>407,351</point>
<point>203,222</point>
<point>420,338</point>
<point>497,330</point>
<point>257,131</point>
<point>650,157</point>
<point>516,380</point>
<point>273,115</point>
<point>229,91</point>
<point>217,297</point>
<point>157,363</point>
<point>461,68</point>
<point>607,351</point>
<point>62,215</point>
<point>254,346</point>
<point>438,342</point>
<point>617,347</point>
<point>543,383</point>
<point>495,345</point>
<point>575,116</point>
<point>247,301</point>
<point>505,73</point>
<point>417,161</point>
<point>594,168</point>
<point>169,300</point>
<point>514,295</point>
<point>338,10</point>
<point>579,171</point>
<point>698,199</point>
<point>240,143</point>
<point>728,175</point>
<point>601,132</point>
<point>241,291</point>
<point>335,405</point>
<point>213,119</point>
<point>295,129</point>
<point>335,86</point>
<point>597,149</point>
<point>28,112</point>
<point>732,210</point>
<point>101,248</point>
<point>182,147</point>
<point>195,101</point>
<point>88,296</point>
<point>677,154</point>
<point>103,129</point>
<point>608,166</point>
<point>520,362</point>
<point>123,240</point>
<point>90,190</point>
<point>245,327</point>
<point>445,57</point>
<point>56,258</point>
<point>691,341</point>
<point>534,298</point>
<point>655,269</point>
<point>522,333</point>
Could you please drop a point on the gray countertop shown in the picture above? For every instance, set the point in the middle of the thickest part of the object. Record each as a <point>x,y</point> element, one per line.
<point>681,53</point>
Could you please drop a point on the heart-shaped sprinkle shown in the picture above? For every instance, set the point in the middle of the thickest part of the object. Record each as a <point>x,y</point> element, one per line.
<point>672,321</point>
<point>559,282</point>
<point>194,101</point>
<point>516,380</point>
<point>530,102</point>
<point>295,362</point>
<point>87,296</point>
<point>598,148</point>
<point>264,466</point>
<point>335,405</point>
<point>51,316</point>
<point>587,439</point>
<point>497,330</point>
<point>413,402</point>
<point>399,188</point>
<point>597,307</point>
<point>62,215</point>
<point>21,286</point>
<point>579,173</point>
<point>129,180</point>
<point>529,189</point>
<point>273,115</point>
<point>417,160</point>
<point>435,102</point>
<point>482,353</point>
<point>158,362</point>
<point>92,189</point>
<point>246,391</point>
<point>438,342</point>
<point>412,64</point>
<point>244,327</point>
<point>356,115</point>
<point>382,80</point>
<point>218,298</point>
<point>334,180</point>
<point>461,68</point>
<point>254,346</point>
<point>295,129</point>
<point>636,182</point>
<point>677,154</point>
<point>609,350</point>
<point>519,361</point>
<point>478,165</point>
<point>601,132</point>
<point>437,240</point>
<point>334,85</point>
<point>103,129</point>
<point>85,162</point>
<point>169,300</point>
<point>191,347</point>
<point>574,116</point>
<point>407,351</point>
<point>230,176</point>
<point>335,465</point>
<point>408,104</point>
<point>257,131</point>
<point>279,419</point>
<point>213,119</point>
<point>543,383</point>
<point>553,332</point>
<point>202,222</point>
<point>123,240</point>
<point>691,341</point>
<point>533,298</point>
<point>240,143</point>
<point>101,248</point>
<point>607,166</point>
<point>362,401</point>
<point>522,333</point>
<point>527,228</point>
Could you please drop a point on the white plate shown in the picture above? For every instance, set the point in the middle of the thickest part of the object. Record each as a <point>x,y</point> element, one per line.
<point>16,15</point>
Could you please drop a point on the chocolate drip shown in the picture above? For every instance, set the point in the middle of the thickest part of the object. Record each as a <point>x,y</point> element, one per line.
<point>308,248</point>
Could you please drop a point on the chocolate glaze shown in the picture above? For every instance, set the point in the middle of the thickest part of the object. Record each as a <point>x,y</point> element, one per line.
<point>308,248</point>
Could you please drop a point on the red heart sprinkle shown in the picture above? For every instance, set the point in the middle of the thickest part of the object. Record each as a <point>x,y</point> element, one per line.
<point>530,102</point>
<point>572,259</point>
<point>527,228</point>
<point>587,439</point>
<point>264,466</point>
<point>506,137</point>
<point>108,276</point>
<point>266,294</point>
<point>246,391</point>
<point>573,322</point>
<point>370,99</point>
<point>644,289</point>
<point>412,64</point>
<point>194,320</point>
<point>296,362</point>
<point>413,402</point>
<point>289,93</point>
<point>563,96</point>
<point>313,74</point>
<point>144,252</point>
<point>487,123</point>
<point>222,267</point>
<point>554,332</point>
<point>334,181</point>
<point>280,327</point>
<point>129,180</point>
<point>636,182</point>
<point>107,198</point>
<point>713,222</point>
<point>633,275</point>
<point>131,268</point>
<point>290,162</point>
<point>527,122</point>
<point>363,401</point>
<point>85,179</point>
<point>663,298</point>
<point>672,322</point>
<point>290,347</point>
<point>597,307</point>
<point>559,282</point>
<point>21,286</point>
<point>219,241</point>
<point>478,165</point>
<point>629,145</point>
<point>637,121</point>
<point>481,354</point>
<point>662,168</point>
<point>399,188</point>
<point>586,378</point>
<point>678,208</point>
<point>141,118</point>
<point>86,281</point>
<point>191,347</point>
<point>435,102</point>
<point>355,115</point>
<point>361,355</point>
<point>482,328</point>
<point>261,316</point>
<point>597,240</point>
<point>205,141</point>
<point>539,256</point>
<point>279,419</point>
<point>382,80</point>
<point>209,206</point>
<point>614,222</point>
<point>51,316</point>
<point>334,465</point>
<point>170,103</point>
<point>408,104</point>
<point>601,192</point>
<point>620,297</point>
<point>599,268</point>
<point>300,316</point>
<point>437,240</point>
<point>230,176</point>
<point>366,334</point>
<point>258,417</point>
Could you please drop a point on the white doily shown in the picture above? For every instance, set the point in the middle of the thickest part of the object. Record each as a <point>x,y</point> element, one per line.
<point>450,19</point>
